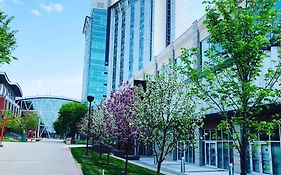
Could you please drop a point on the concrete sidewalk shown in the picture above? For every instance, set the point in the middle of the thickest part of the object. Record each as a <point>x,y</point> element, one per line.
<point>47,157</point>
<point>174,167</point>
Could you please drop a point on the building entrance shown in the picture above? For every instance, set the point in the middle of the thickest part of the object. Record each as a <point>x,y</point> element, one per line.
<point>211,153</point>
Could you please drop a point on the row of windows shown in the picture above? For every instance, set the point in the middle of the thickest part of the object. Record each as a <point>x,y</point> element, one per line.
<point>7,91</point>
<point>132,35</point>
<point>123,27</point>
<point>96,76</point>
<point>168,22</point>
<point>99,11</point>
<point>116,18</point>
<point>214,134</point>
<point>141,41</point>
<point>98,33</point>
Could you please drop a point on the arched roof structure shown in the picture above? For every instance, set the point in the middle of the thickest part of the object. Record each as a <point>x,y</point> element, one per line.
<point>14,86</point>
<point>46,106</point>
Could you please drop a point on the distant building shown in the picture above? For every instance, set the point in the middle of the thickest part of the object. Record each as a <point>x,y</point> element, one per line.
<point>8,93</point>
<point>47,107</point>
<point>95,63</point>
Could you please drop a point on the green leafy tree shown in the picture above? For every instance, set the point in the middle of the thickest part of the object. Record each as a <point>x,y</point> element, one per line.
<point>167,114</point>
<point>70,115</point>
<point>8,124</point>
<point>230,81</point>
<point>59,127</point>
<point>30,121</point>
<point>21,124</point>
<point>7,39</point>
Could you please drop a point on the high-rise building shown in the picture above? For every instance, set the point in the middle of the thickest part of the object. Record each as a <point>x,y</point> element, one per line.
<point>95,61</point>
<point>140,30</point>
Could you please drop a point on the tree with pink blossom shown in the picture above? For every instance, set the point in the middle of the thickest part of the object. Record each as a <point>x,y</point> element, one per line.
<point>121,108</point>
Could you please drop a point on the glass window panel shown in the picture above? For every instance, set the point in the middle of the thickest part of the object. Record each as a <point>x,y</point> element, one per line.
<point>276,135</point>
<point>256,158</point>
<point>276,158</point>
<point>213,154</point>
<point>190,154</point>
<point>265,159</point>
<point>219,135</point>
<point>226,155</point>
<point>207,154</point>
<point>207,134</point>
<point>213,134</point>
<point>220,157</point>
<point>264,137</point>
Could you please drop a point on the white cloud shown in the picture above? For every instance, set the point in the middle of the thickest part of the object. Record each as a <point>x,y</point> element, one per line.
<point>35,12</point>
<point>52,7</point>
<point>66,86</point>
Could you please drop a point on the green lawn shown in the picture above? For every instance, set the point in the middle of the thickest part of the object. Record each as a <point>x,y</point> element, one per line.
<point>10,140</point>
<point>95,165</point>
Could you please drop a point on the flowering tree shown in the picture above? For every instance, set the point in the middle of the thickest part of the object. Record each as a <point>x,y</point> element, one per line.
<point>121,108</point>
<point>100,128</point>
<point>240,80</point>
<point>167,113</point>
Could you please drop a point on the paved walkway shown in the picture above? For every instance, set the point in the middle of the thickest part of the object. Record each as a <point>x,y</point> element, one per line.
<point>47,157</point>
<point>174,168</point>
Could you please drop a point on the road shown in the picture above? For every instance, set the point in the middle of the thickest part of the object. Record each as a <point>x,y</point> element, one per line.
<point>47,157</point>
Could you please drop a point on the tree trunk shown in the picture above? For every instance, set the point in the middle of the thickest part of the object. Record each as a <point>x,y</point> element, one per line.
<point>159,163</point>
<point>126,164</point>
<point>108,158</point>
<point>100,149</point>
<point>158,167</point>
<point>243,151</point>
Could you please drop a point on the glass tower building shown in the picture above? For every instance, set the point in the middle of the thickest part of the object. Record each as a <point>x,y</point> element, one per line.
<point>138,31</point>
<point>95,63</point>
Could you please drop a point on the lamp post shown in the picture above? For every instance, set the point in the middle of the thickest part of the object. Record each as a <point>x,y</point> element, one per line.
<point>90,100</point>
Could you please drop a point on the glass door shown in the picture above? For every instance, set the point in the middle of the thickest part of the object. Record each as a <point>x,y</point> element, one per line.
<point>211,153</point>
<point>261,159</point>
<point>266,160</point>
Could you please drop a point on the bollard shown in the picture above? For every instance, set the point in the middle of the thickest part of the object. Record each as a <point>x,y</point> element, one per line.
<point>1,144</point>
<point>182,165</point>
<point>231,169</point>
<point>154,160</point>
<point>102,171</point>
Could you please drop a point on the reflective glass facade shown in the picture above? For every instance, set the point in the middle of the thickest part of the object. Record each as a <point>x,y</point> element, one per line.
<point>115,42</point>
<point>130,45</point>
<point>141,34</point>
<point>47,109</point>
<point>95,67</point>
<point>132,35</point>
<point>123,30</point>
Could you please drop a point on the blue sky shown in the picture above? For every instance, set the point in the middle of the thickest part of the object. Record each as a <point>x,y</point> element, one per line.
<point>50,47</point>
<point>50,43</point>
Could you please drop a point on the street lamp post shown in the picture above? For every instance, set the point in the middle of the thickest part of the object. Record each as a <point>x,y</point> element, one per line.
<point>90,100</point>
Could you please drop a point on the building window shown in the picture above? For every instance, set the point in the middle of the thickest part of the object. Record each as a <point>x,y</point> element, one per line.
<point>116,18</point>
<point>132,35</point>
<point>123,28</point>
<point>141,36</point>
<point>168,22</point>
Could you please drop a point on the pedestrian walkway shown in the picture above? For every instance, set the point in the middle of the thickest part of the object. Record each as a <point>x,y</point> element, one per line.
<point>174,167</point>
<point>47,157</point>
